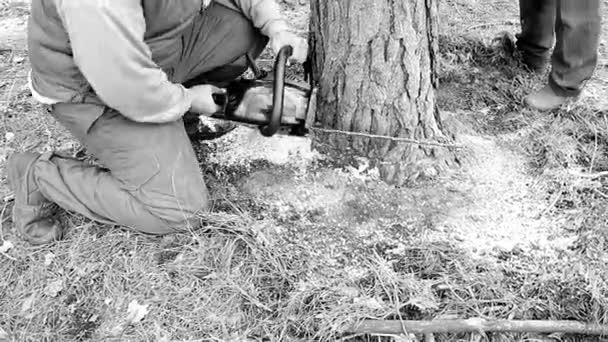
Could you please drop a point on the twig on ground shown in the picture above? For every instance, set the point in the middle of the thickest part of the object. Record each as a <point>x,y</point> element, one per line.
<point>477,325</point>
<point>484,25</point>
<point>601,193</point>
<point>8,198</point>
<point>592,176</point>
<point>8,256</point>
<point>554,201</point>
<point>350,337</point>
<point>595,147</point>
<point>14,77</point>
<point>8,49</point>
<point>2,221</point>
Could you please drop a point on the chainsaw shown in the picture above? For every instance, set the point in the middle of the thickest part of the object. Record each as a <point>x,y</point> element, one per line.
<point>269,102</point>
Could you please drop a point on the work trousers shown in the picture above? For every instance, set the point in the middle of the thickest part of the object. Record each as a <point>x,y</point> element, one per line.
<point>150,180</point>
<point>574,26</point>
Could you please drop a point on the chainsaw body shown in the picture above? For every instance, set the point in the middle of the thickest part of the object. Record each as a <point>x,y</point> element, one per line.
<point>271,103</point>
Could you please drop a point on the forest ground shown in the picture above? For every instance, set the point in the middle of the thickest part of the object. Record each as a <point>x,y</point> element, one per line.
<point>300,249</point>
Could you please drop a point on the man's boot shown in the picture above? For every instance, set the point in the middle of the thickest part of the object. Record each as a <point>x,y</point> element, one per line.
<point>33,214</point>
<point>545,99</point>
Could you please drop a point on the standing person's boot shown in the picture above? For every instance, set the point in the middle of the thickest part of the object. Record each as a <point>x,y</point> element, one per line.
<point>33,214</point>
<point>575,56</point>
<point>545,99</point>
<point>576,51</point>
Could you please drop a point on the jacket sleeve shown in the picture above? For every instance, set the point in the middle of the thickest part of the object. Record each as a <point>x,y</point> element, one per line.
<point>107,39</point>
<point>264,14</point>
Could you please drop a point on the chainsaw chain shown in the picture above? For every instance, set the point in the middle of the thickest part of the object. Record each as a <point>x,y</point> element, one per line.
<point>386,137</point>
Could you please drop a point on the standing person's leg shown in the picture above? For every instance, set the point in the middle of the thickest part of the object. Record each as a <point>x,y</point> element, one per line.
<point>575,56</point>
<point>537,31</point>
<point>576,51</point>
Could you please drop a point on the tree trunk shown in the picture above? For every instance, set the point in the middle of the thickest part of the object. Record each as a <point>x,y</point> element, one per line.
<point>374,65</point>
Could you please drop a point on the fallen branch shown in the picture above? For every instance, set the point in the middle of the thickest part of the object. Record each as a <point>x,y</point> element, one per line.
<point>592,176</point>
<point>476,325</point>
<point>597,175</point>
<point>485,25</point>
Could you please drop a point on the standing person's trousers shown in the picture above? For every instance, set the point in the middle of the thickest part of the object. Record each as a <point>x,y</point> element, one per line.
<point>151,180</point>
<point>574,25</point>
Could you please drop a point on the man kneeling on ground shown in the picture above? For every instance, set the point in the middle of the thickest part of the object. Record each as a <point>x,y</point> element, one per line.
<point>120,75</point>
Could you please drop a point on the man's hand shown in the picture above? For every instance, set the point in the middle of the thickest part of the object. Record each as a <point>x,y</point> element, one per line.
<point>299,45</point>
<point>202,99</point>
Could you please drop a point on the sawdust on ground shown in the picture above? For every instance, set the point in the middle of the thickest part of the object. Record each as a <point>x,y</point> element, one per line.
<point>491,205</point>
<point>509,207</point>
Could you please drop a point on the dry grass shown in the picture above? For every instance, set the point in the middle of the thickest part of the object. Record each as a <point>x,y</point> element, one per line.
<point>229,282</point>
<point>237,279</point>
<point>12,8</point>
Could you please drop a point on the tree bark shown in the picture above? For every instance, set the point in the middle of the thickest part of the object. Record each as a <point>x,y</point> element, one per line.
<point>374,65</point>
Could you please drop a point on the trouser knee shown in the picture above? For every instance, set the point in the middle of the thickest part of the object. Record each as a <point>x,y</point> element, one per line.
<point>178,208</point>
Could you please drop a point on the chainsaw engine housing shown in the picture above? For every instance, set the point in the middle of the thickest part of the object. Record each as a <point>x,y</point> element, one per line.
<point>273,104</point>
<point>251,102</point>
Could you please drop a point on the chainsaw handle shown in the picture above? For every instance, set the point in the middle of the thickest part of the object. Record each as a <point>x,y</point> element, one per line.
<point>279,92</point>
